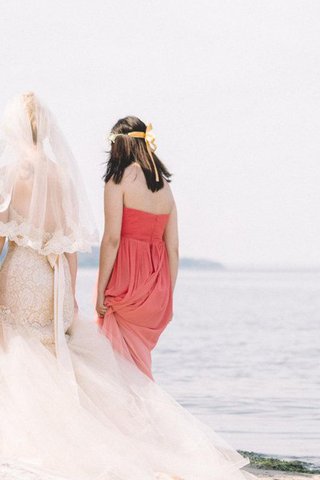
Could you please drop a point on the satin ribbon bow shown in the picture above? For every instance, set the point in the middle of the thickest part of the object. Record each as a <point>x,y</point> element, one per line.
<point>61,347</point>
<point>150,138</point>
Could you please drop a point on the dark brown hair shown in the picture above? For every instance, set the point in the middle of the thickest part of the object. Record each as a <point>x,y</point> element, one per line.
<point>126,150</point>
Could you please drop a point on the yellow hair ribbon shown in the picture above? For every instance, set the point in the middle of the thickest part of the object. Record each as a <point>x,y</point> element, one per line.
<point>150,140</point>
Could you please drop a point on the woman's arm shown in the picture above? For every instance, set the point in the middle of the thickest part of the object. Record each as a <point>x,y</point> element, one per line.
<point>113,208</point>
<point>171,238</point>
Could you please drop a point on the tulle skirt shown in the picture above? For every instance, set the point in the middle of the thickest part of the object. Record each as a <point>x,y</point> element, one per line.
<point>106,421</point>
<point>113,424</point>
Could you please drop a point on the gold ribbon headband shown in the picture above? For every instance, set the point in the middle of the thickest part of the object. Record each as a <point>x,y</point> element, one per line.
<point>150,140</point>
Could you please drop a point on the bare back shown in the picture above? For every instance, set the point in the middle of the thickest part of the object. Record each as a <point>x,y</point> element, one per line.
<point>137,195</point>
<point>132,192</point>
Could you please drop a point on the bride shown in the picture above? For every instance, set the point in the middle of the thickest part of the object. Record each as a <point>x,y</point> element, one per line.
<point>70,407</point>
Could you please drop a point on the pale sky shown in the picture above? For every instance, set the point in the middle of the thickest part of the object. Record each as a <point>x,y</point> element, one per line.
<point>231,87</point>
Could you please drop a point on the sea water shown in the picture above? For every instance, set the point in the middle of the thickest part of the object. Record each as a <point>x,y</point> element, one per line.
<point>243,354</point>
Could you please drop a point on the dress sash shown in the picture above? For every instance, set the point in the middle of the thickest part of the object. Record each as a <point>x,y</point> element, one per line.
<point>61,345</point>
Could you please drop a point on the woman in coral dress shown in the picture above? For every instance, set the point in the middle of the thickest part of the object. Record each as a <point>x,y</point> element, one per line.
<point>139,250</point>
<point>72,408</point>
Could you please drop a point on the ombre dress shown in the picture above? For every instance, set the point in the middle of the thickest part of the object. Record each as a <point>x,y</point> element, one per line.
<point>139,293</point>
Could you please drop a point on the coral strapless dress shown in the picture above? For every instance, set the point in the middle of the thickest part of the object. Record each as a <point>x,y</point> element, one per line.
<point>139,292</point>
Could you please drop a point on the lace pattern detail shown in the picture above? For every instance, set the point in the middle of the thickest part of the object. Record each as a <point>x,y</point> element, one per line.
<point>45,243</point>
<point>26,293</point>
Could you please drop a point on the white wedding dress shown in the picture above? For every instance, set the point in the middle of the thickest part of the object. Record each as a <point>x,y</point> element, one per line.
<point>70,407</point>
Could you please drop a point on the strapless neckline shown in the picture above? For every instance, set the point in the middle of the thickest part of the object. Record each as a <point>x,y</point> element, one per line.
<point>147,213</point>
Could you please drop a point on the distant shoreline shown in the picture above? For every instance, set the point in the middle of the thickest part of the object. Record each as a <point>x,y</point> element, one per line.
<point>91,260</point>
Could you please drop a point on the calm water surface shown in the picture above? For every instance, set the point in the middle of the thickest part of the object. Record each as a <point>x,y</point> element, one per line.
<point>243,354</point>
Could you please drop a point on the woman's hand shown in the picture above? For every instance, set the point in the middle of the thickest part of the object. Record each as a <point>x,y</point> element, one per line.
<point>100,306</point>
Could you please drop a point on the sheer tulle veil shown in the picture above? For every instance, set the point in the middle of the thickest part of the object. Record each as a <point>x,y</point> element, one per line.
<point>41,182</point>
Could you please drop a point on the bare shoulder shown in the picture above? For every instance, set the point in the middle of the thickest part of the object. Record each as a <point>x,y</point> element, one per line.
<point>167,187</point>
<point>111,186</point>
<point>56,175</point>
<point>169,194</point>
<point>131,173</point>
<point>113,194</point>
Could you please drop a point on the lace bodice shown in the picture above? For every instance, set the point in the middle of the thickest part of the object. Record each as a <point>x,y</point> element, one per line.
<point>26,293</point>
